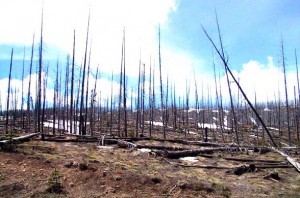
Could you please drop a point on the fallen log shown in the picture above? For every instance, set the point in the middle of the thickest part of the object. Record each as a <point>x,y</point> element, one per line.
<point>125,144</point>
<point>192,152</point>
<point>204,166</point>
<point>19,139</point>
<point>158,147</point>
<point>252,160</point>
<point>197,143</point>
<point>291,160</point>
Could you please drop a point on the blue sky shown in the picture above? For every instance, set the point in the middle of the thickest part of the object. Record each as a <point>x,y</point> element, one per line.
<point>251,32</point>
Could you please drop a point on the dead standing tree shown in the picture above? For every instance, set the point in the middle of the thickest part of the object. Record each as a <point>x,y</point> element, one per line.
<point>82,130</point>
<point>29,85</point>
<point>161,87</point>
<point>39,98</point>
<point>72,87</point>
<point>8,92</point>
<point>124,86</point>
<point>224,61</point>
<point>286,94</point>
<point>22,97</point>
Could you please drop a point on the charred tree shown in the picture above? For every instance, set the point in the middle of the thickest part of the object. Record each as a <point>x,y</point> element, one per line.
<point>39,97</point>
<point>222,57</point>
<point>22,97</point>
<point>87,89</point>
<point>286,94</point>
<point>161,87</point>
<point>82,130</point>
<point>29,85</point>
<point>124,86</point>
<point>8,92</point>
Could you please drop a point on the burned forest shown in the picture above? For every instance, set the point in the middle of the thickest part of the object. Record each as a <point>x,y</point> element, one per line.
<point>142,137</point>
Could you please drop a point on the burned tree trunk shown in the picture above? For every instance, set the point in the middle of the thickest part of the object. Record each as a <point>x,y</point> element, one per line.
<point>22,97</point>
<point>8,92</point>
<point>286,95</point>
<point>161,87</point>
<point>72,88</point>
<point>222,57</point>
<point>39,97</point>
<point>124,87</point>
<point>82,130</point>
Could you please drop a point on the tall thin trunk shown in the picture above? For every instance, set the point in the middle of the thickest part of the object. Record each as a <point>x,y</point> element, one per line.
<point>161,87</point>
<point>297,106</point>
<point>187,107</point>
<point>228,84</point>
<point>174,109</point>
<point>120,91</point>
<point>66,97</point>
<point>40,79</point>
<point>55,99</point>
<point>29,84</point>
<point>87,89</point>
<point>217,100</point>
<point>72,87</point>
<point>196,102</point>
<point>8,91</point>
<point>138,102</point>
<point>143,99</point>
<point>93,100</point>
<point>153,99</point>
<point>286,95</point>
<point>59,98</point>
<point>124,86</point>
<point>150,99</point>
<point>45,82</point>
<point>111,104</point>
<point>81,118</point>
<point>22,97</point>
<point>222,57</point>
<point>295,114</point>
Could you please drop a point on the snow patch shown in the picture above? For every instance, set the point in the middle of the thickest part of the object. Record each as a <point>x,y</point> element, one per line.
<point>145,150</point>
<point>105,147</point>
<point>253,120</point>
<point>189,159</point>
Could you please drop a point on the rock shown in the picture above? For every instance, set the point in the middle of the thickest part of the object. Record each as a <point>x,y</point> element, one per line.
<point>252,168</point>
<point>47,161</point>
<point>264,150</point>
<point>71,184</point>
<point>182,184</point>
<point>273,175</point>
<point>94,161</point>
<point>239,170</point>
<point>117,178</point>
<point>104,174</point>
<point>68,164</point>
<point>156,180</point>
<point>82,166</point>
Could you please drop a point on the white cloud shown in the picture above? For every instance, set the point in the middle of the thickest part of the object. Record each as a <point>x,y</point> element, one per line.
<point>265,80</point>
<point>108,18</point>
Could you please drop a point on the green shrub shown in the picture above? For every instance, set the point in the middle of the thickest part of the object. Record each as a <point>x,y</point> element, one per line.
<point>54,184</point>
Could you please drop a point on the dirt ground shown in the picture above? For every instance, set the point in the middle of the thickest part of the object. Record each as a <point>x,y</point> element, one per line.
<point>89,171</point>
